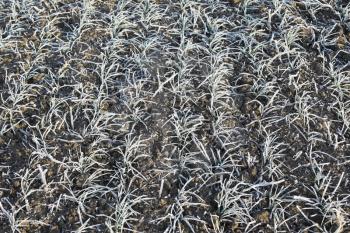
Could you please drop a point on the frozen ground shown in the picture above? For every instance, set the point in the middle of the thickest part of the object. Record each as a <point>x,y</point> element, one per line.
<point>174,116</point>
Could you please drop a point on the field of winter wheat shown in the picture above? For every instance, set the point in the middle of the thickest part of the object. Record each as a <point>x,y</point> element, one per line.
<point>174,116</point>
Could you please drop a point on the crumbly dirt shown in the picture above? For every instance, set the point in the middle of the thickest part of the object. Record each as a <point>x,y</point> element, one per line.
<point>174,116</point>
